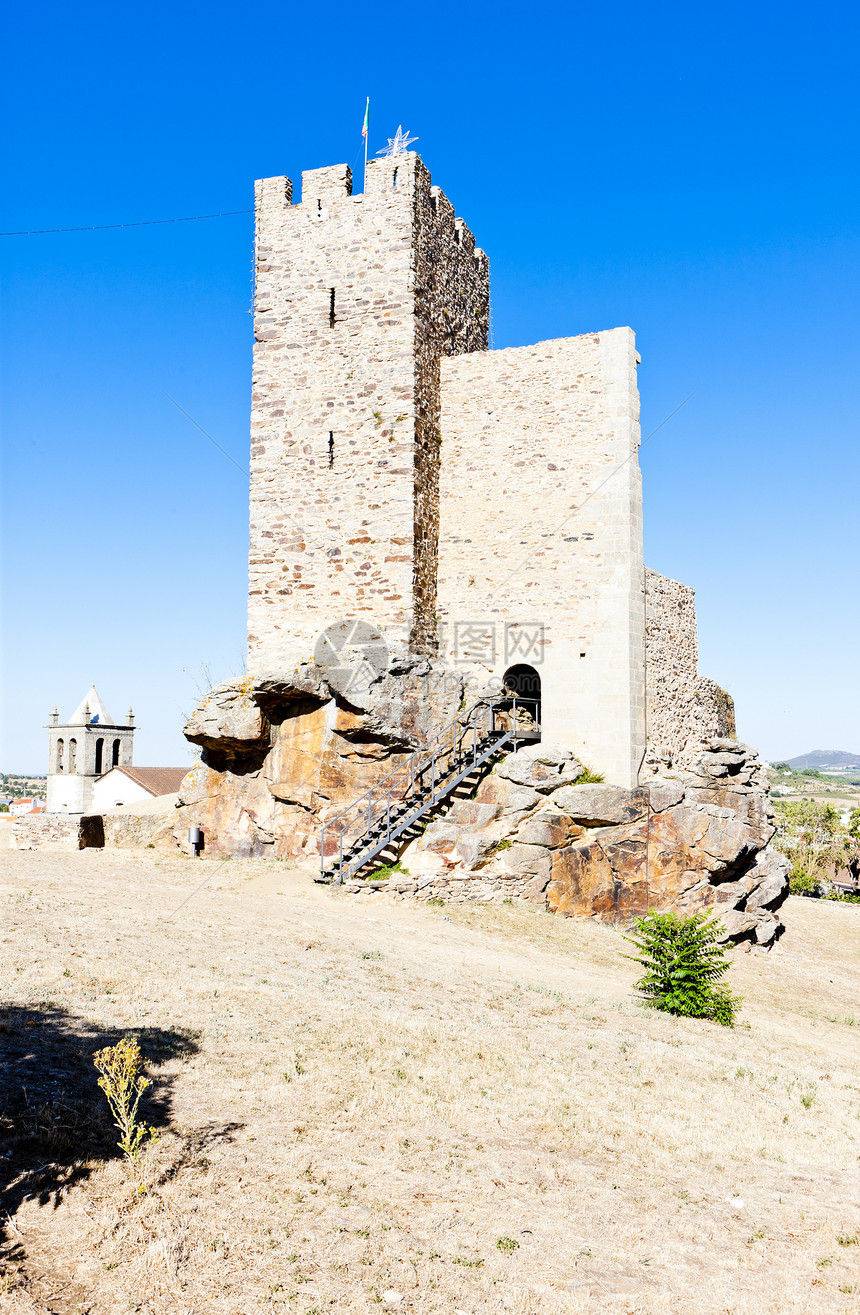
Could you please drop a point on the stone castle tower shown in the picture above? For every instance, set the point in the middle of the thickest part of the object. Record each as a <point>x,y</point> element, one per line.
<point>358,299</point>
<point>482,504</point>
<point>81,750</point>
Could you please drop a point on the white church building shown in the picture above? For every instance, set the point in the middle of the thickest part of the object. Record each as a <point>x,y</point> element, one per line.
<point>82,750</point>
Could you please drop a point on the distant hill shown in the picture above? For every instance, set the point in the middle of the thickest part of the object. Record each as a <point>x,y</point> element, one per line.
<point>826,760</point>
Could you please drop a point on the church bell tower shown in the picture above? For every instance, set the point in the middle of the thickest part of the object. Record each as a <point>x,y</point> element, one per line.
<point>81,750</point>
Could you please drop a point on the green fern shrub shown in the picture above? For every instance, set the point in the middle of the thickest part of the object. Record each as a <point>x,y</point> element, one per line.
<point>683,962</point>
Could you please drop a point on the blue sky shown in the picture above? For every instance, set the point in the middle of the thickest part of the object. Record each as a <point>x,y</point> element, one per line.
<point>687,170</point>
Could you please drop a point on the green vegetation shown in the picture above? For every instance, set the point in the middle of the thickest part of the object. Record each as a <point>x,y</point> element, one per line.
<point>817,844</point>
<point>384,871</point>
<point>802,779</point>
<point>499,846</point>
<point>589,777</point>
<point>15,786</point>
<point>683,962</point>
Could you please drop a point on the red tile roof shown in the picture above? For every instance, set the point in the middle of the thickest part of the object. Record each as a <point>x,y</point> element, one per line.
<point>157,780</point>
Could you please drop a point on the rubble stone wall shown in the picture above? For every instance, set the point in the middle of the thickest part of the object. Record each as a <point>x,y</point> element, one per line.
<point>357,298</point>
<point>684,710</point>
<point>46,831</point>
<point>541,528</point>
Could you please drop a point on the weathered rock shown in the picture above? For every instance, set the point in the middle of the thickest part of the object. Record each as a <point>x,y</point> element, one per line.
<point>735,923</point>
<point>312,748</point>
<point>472,848</point>
<point>582,880</point>
<point>472,813</point>
<point>549,829</point>
<point>540,767</point>
<point>601,805</point>
<point>283,752</point>
<point>766,928</point>
<point>510,799</point>
<point>664,793</point>
<point>614,858</point>
<point>229,719</point>
<point>524,860</point>
<point>769,875</point>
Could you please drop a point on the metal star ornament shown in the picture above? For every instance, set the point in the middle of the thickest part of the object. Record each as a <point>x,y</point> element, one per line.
<point>399,143</point>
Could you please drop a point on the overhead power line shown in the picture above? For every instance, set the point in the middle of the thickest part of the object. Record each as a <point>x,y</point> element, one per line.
<point>138,223</point>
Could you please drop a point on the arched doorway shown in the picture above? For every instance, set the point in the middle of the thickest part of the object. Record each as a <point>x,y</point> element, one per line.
<point>523,683</point>
<point>100,746</point>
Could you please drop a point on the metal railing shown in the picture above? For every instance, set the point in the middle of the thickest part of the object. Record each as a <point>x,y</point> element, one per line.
<point>358,833</point>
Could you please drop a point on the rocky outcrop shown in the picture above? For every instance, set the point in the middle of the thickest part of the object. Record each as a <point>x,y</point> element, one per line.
<point>282,752</point>
<point>693,840</point>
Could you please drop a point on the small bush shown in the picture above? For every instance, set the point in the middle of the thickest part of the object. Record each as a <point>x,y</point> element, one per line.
<point>802,883</point>
<point>499,846</point>
<point>123,1083</point>
<point>683,962</point>
<point>384,871</point>
<point>589,777</point>
<point>436,902</point>
<point>507,1245</point>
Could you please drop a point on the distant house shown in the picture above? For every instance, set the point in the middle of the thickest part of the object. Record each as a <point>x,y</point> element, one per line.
<point>134,785</point>
<point>18,807</point>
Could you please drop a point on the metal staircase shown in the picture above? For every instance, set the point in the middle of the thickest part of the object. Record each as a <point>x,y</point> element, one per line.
<point>353,837</point>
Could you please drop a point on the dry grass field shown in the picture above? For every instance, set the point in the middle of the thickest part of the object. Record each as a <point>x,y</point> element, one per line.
<point>366,1104</point>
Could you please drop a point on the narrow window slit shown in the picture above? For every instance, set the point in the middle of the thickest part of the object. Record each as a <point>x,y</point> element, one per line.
<point>331,314</point>
<point>394,179</point>
<point>330,448</point>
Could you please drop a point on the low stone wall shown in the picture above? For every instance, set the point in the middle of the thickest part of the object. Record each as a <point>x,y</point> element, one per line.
<point>129,830</point>
<point>48,831</point>
<point>456,888</point>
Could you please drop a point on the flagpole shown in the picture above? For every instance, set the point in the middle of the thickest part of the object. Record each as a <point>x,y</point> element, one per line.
<point>366,135</point>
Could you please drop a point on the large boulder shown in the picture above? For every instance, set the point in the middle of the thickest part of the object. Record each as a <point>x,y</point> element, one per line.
<point>600,805</point>
<point>540,767</point>
<point>282,752</point>
<point>689,841</point>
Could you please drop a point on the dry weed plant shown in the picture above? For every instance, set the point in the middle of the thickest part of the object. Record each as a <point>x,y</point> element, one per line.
<point>123,1083</point>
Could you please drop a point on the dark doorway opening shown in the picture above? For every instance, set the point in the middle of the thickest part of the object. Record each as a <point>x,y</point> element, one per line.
<point>523,683</point>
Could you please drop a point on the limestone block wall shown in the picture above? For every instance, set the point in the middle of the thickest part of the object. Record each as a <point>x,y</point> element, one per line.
<point>684,710</point>
<point>357,299</point>
<point>541,528</point>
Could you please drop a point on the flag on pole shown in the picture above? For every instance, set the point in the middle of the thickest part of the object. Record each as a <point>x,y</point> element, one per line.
<point>366,124</point>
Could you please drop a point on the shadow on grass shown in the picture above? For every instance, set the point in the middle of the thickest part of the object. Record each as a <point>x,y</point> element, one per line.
<point>54,1120</point>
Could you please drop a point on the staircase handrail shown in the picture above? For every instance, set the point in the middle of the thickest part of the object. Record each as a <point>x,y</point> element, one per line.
<point>447,742</point>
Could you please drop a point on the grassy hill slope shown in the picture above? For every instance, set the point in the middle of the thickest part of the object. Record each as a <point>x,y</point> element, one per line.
<point>462,1108</point>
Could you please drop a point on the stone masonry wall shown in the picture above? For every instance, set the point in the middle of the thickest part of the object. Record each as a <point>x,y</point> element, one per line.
<point>541,526</point>
<point>357,298</point>
<point>684,710</point>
